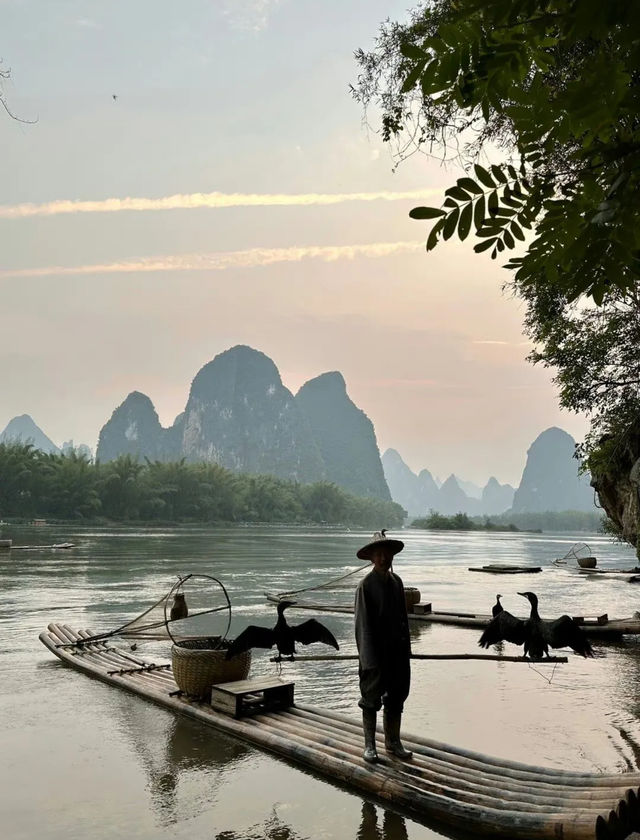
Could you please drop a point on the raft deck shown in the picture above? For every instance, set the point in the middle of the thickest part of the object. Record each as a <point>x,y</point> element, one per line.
<point>443,786</point>
<point>611,629</point>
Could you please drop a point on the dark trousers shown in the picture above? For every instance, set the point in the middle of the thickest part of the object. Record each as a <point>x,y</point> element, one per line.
<point>388,684</point>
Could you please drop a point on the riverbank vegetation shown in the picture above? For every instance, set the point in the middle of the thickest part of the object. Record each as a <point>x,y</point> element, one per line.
<point>565,521</point>
<point>71,487</point>
<point>458,522</point>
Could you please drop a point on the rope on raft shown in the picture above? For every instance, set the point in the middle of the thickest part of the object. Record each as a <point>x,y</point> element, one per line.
<point>138,628</point>
<point>323,585</point>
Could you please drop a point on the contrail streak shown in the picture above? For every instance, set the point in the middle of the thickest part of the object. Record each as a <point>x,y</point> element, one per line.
<point>223,260</point>
<point>193,201</point>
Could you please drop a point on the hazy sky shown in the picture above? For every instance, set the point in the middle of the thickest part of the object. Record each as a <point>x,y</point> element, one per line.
<point>231,194</point>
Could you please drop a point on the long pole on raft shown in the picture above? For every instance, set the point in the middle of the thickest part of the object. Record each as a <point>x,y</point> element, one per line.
<point>551,660</point>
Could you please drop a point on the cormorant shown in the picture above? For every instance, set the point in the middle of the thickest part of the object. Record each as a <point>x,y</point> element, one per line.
<point>282,635</point>
<point>536,634</point>
<point>497,607</point>
<point>179,607</point>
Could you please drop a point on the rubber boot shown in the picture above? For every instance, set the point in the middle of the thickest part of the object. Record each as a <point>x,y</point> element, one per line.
<point>392,741</point>
<point>369,725</point>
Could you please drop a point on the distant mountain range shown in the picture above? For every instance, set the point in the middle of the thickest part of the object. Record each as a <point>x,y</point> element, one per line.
<point>24,429</point>
<point>420,493</point>
<point>241,416</point>
<point>550,482</point>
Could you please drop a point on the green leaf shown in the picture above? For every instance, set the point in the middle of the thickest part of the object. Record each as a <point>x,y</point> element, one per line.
<point>426,213</point>
<point>512,173</point>
<point>478,213</point>
<point>464,225</point>
<point>488,231</point>
<point>498,174</point>
<point>410,82</point>
<point>434,236</point>
<point>483,176</point>
<point>470,185</point>
<point>510,201</point>
<point>483,246</point>
<point>411,51</point>
<point>450,224</point>
<point>457,193</point>
<point>517,231</point>
<point>493,203</point>
<point>508,240</point>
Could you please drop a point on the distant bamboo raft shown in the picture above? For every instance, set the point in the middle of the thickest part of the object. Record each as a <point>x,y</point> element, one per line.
<point>597,627</point>
<point>443,786</point>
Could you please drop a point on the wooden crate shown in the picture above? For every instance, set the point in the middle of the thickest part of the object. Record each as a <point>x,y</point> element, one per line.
<point>245,697</point>
<point>595,620</point>
<point>421,609</point>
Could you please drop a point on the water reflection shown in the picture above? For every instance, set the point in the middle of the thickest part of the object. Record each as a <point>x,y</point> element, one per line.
<point>393,825</point>
<point>271,829</point>
<point>171,749</point>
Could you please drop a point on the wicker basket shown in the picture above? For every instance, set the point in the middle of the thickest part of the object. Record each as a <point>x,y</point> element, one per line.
<point>587,562</point>
<point>411,597</point>
<point>196,666</point>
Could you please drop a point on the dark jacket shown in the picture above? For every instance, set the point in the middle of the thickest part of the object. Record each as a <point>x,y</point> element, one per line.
<point>382,637</point>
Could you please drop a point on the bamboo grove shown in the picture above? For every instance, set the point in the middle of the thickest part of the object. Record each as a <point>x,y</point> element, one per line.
<point>70,486</point>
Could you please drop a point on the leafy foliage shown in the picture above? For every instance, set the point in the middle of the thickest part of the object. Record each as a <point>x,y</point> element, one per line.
<point>552,84</point>
<point>69,486</point>
<point>595,351</point>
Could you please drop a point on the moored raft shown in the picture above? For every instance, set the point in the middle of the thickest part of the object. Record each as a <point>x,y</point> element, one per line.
<point>443,786</point>
<point>506,569</point>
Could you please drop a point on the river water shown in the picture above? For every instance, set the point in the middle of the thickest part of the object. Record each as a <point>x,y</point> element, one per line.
<point>81,759</point>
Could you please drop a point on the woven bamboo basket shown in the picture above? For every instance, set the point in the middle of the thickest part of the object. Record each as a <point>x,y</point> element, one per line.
<point>411,597</point>
<point>587,562</point>
<point>197,666</point>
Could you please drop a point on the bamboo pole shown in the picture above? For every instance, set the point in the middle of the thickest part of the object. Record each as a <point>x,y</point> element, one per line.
<point>493,780</point>
<point>443,787</point>
<point>404,772</point>
<point>111,659</point>
<point>503,821</point>
<point>480,762</point>
<point>496,780</point>
<point>549,660</point>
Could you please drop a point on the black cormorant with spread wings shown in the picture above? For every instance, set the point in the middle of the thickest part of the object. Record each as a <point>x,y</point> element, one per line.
<point>282,635</point>
<point>536,634</point>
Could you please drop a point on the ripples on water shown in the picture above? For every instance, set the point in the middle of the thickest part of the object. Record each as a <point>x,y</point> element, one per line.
<point>81,759</point>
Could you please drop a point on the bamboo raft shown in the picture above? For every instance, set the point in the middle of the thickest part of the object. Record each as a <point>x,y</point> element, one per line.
<point>446,787</point>
<point>504,569</point>
<point>611,629</point>
<point>41,547</point>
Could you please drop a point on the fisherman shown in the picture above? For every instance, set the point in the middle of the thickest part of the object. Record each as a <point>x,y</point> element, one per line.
<point>382,637</point>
